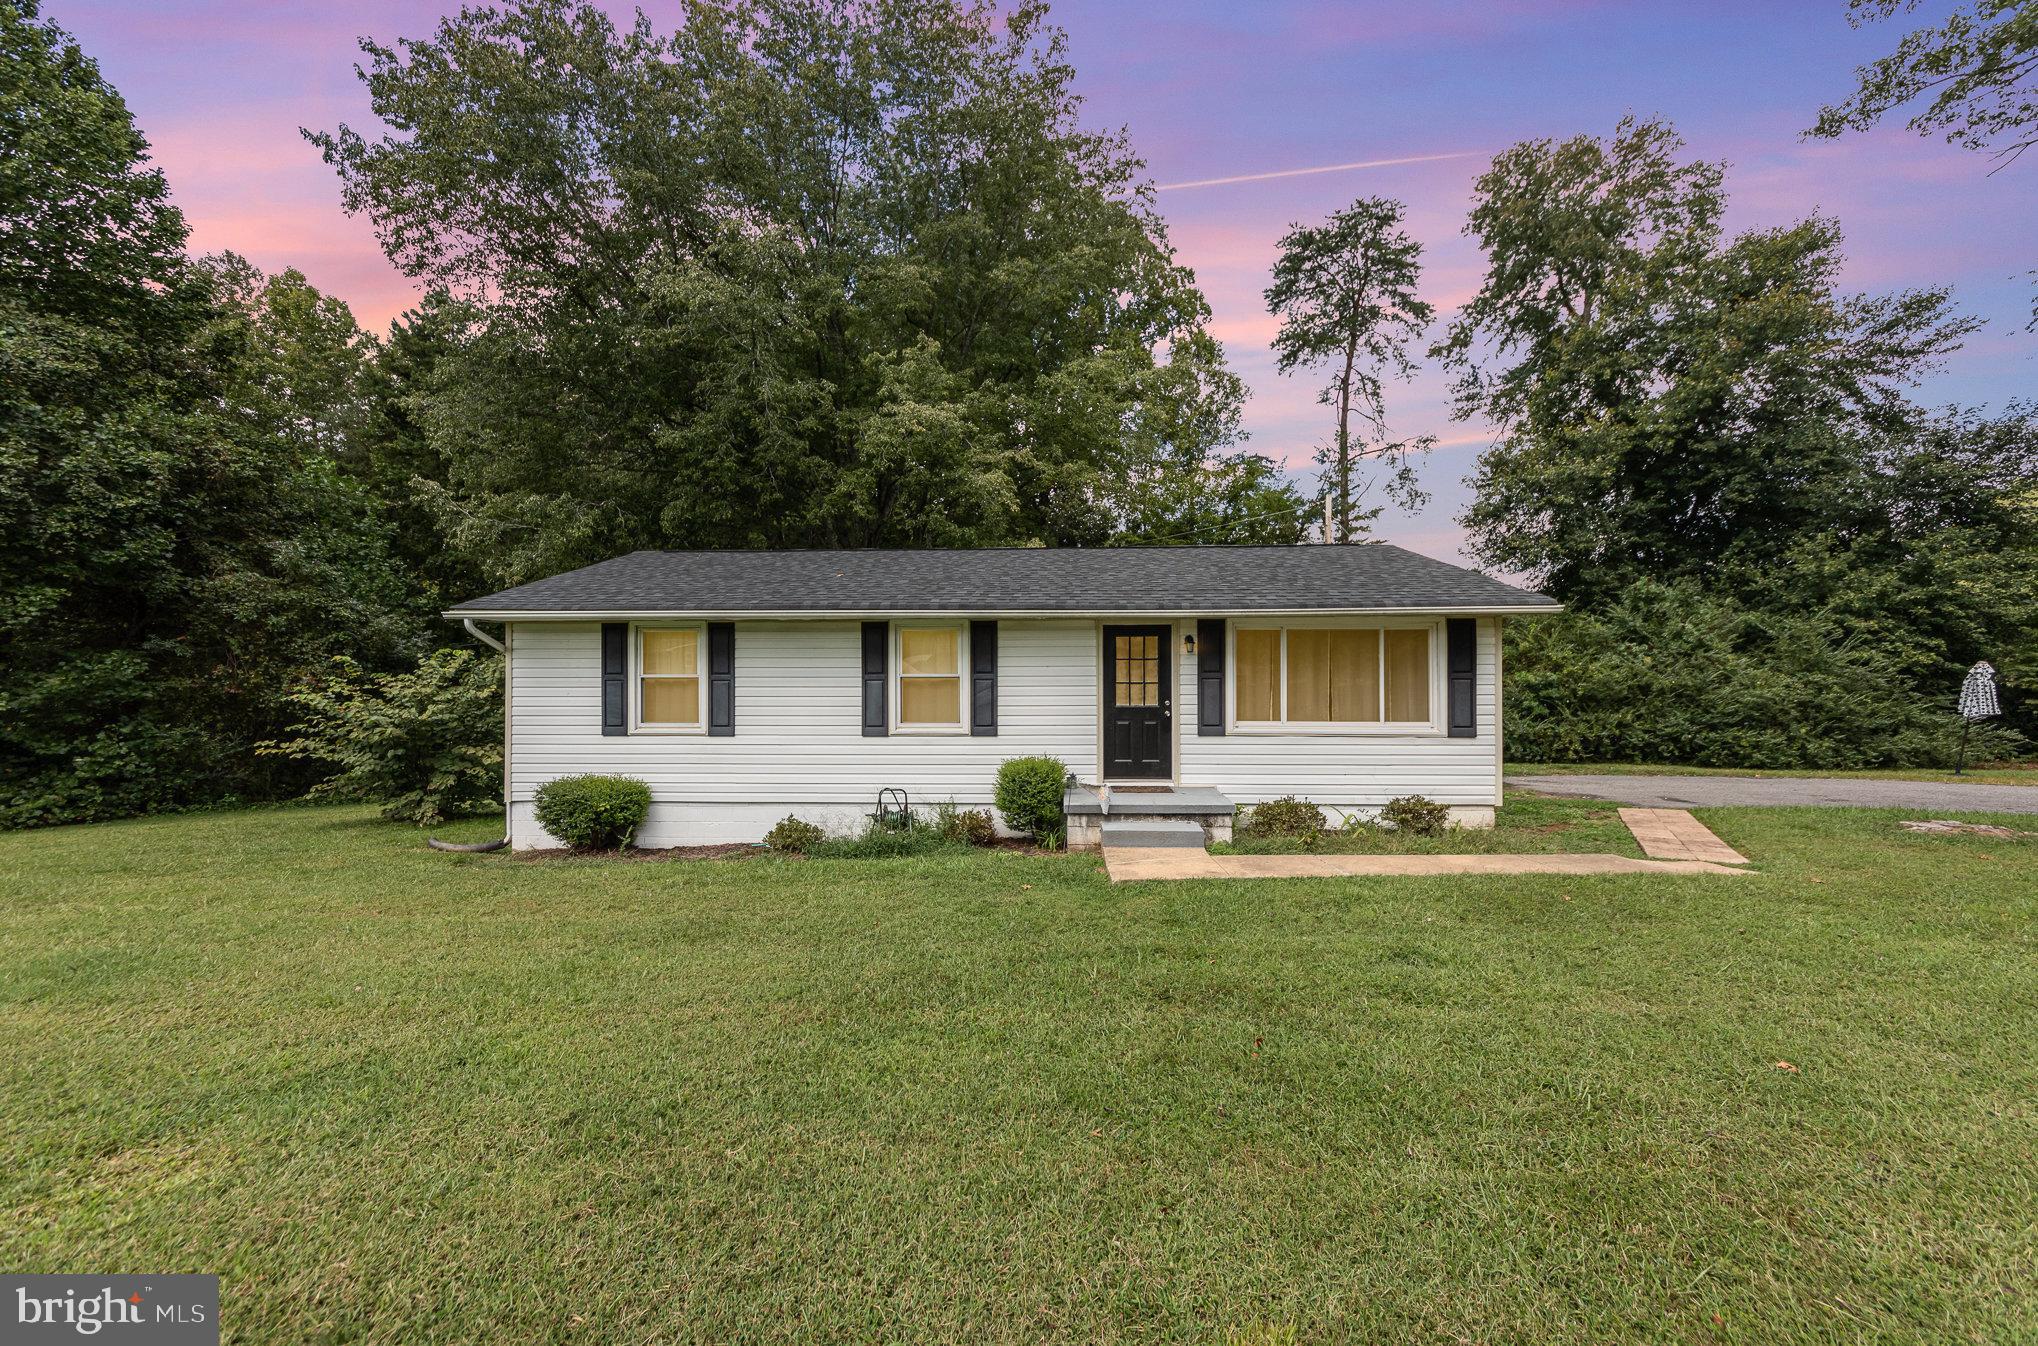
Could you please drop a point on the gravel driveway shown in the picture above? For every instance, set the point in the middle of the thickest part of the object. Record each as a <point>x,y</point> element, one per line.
<point>1925,797</point>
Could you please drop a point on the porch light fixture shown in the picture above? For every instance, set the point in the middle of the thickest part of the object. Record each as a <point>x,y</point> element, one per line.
<point>1188,642</point>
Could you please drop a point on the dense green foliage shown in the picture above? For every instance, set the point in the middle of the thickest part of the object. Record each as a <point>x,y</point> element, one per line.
<point>593,813</point>
<point>794,836</point>
<point>1416,815</point>
<point>1029,794</point>
<point>1283,817</point>
<point>1677,408</point>
<point>427,743</point>
<point>797,273</point>
<point>1345,292</point>
<point>1674,673</point>
<point>177,545</point>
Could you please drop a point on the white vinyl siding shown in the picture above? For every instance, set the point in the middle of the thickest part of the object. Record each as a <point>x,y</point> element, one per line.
<point>799,721</point>
<point>799,744</point>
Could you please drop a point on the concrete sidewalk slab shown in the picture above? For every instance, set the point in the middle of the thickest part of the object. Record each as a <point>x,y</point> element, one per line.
<point>1673,834</point>
<point>1127,864</point>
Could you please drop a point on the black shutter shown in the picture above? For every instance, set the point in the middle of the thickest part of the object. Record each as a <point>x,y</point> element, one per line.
<point>983,679</point>
<point>1210,677</point>
<point>615,663</point>
<point>1460,680</point>
<point>721,679</point>
<point>876,636</point>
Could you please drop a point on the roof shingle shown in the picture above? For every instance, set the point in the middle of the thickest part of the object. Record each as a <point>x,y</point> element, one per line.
<point>1372,577</point>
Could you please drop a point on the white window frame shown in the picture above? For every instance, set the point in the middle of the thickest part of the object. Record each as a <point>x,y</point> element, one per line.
<point>1433,727</point>
<point>636,687</point>
<point>895,674</point>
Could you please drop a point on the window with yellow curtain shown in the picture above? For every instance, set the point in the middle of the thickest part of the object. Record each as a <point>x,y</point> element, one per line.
<point>930,676</point>
<point>1308,675</point>
<point>668,677</point>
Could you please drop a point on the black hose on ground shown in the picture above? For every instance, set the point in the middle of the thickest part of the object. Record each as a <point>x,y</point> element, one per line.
<point>439,845</point>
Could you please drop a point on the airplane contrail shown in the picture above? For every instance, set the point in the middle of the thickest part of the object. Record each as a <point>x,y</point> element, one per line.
<point>1304,172</point>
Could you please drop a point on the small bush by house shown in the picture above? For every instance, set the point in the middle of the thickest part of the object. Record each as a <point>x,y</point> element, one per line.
<point>1029,795</point>
<point>1283,817</point>
<point>971,827</point>
<point>794,836</point>
<point>593,813</point>
<point>1417,816</point>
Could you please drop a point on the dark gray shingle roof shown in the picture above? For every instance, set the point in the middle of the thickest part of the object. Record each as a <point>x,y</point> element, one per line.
<point>1106,579</point>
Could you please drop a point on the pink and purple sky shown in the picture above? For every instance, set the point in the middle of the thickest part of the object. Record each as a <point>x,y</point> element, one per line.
<point>1213,90</point>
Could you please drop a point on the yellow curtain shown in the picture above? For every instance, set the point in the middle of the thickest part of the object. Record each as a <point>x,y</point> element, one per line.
<point>930,700</point>
<point>670,653</point>
<point>1258,676</point>
<point>925,652</point>
<point>671,701</point>
<point>1333,676</point>
<point>1408,676</point>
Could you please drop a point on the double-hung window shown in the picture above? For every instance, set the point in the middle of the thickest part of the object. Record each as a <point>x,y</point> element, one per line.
<point>1334,678</point>
<point>928,688</point>
<point>668,683</point>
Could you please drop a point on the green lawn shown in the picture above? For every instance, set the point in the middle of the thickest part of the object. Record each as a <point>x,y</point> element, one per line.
<point>400,1096</point>
<point>2013,774</point>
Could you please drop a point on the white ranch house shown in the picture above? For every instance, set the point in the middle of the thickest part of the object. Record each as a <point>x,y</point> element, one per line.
<point>744,686</point>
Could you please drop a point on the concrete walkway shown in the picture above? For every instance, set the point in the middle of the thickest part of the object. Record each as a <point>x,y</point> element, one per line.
<point>1928,797</point>
<point>1673,834</point>
<point>1129,863</point>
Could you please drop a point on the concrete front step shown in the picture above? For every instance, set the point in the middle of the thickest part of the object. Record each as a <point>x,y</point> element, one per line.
<point>1153,833</point>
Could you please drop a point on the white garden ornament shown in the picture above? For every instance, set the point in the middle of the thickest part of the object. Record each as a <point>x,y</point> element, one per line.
<point>1978,701</point>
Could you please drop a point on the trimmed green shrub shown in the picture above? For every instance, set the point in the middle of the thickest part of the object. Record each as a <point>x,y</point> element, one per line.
<point>426,744</point>
<point>1417,816</point>
<point>1283,817</point>
<point>794,836</point>
<point>1029,795</point>
<point>593,813</point>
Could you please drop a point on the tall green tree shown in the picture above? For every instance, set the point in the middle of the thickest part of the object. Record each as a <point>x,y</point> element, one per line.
<point>1345,292</point>
<point>1973,78</point>
<point>173,549</point>
<point>1667,400</point>
<point>799,273</point>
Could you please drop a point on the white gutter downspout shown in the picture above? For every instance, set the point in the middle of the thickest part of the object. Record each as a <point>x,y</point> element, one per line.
<point>481,635</point>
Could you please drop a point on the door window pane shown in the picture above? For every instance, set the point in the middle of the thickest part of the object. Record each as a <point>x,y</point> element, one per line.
<point>1258,677</point>
<point>1408,676</point>
<point>1136,670</point>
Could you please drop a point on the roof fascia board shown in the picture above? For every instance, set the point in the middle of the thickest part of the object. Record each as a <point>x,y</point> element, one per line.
<point>919,614</point>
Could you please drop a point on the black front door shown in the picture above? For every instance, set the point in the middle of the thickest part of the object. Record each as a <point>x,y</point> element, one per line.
<point>1139,738</point>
